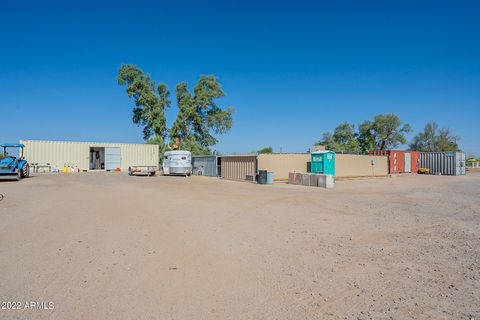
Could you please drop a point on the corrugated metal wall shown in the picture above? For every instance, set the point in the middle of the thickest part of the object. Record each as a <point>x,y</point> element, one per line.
<point>354,165</point>
<point>77,154</point>
<point>415,160</point>
<point>205,165</point>
<point>397,159</point>
<point>238,167</point>
<point>283,163</point>
<point>448,163</point>
<point>461,164</point>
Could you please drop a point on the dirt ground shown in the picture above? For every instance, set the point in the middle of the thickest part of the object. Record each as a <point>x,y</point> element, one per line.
<point>110,246</point>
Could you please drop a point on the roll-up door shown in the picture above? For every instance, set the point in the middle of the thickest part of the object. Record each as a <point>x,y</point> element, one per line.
<point>112,158</point>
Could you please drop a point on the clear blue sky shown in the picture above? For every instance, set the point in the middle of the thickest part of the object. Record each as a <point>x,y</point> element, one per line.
<point>292,69</point>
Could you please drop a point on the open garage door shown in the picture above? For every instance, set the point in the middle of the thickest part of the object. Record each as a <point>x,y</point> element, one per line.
<point>112,158</point>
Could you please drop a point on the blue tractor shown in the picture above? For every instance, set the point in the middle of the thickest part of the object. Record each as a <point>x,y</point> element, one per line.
<point>11,166</point>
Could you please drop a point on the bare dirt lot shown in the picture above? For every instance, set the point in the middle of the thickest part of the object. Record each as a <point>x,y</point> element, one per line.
<point>110,246</point>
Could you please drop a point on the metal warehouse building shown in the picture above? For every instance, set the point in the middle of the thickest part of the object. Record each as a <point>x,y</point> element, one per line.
<point>90,155</point>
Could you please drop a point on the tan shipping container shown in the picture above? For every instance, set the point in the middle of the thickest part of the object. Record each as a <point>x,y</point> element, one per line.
<point>283,163</point>
<point>354,165</point>
<point>79,154</point>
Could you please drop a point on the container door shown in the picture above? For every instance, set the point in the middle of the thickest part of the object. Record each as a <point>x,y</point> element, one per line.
<point>461,162</point>
<point>408,162</point>
<point>112,158</point>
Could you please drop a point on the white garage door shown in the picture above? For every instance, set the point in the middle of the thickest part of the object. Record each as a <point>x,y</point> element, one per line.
<point>112,158</point>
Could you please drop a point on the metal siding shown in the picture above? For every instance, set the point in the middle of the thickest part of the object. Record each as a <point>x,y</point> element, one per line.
<point>396,160</point>
<point>60,153</point>
<point>238,167</point>
<point>447,163</point>
<point>206,164</point>
<point>112,158</point>
<point>354,165</point>
<point>283,163</point>
<point>415,160</point>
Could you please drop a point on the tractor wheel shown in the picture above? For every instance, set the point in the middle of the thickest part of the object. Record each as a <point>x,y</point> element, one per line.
<point>19,175</point>
<point>26,171</point>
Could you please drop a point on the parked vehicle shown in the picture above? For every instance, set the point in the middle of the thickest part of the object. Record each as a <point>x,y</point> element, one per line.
<point>142,170</point>
<point>177,162</point>
<point>12,166</point>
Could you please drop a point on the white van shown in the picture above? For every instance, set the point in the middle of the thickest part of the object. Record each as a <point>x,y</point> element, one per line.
<point>177,162</point>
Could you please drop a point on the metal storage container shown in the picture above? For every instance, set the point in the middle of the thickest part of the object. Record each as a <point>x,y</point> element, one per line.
<point>88,156</point>
<point>447,163</point>
<point>205,165</point>
<point>323,162</point>
<point>238,167</point>
<point>360,165</point>
<point>400,161</point>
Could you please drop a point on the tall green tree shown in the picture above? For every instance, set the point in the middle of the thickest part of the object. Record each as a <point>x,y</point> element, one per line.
<point>386,131</point>
<point>199,117</point>
<point>181,128</point>
<point>435,139</point>
<point>343,139</point>
<point>150,103</point>
<point>365,137</point>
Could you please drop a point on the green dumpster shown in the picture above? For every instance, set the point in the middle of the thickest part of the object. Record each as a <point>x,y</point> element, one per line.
<point>323,162</point>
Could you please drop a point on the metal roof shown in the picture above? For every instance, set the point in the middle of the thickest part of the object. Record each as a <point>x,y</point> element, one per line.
<point>12,145</point>
<point>83,142</point>
<point>238,155</point>
<point>204,155</point>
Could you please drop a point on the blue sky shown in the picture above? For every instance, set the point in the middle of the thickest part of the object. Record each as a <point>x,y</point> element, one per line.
<point>291,69</point>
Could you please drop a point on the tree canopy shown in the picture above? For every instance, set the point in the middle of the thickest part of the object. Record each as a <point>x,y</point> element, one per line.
<point>384,132</point>
<point>266,150</point>
<point>150,104</point>
<point>435,139</point>
<point>343,139</point>
<point>199,116</point>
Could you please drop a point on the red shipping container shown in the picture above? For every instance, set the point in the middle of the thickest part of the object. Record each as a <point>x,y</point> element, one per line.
<point>400,161</point>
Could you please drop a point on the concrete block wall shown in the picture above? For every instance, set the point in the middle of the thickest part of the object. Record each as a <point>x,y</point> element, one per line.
<point>311,179</point>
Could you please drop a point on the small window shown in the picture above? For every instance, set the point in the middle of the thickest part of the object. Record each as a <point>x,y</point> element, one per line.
<point>166,157</point>
<point>184,158</point>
